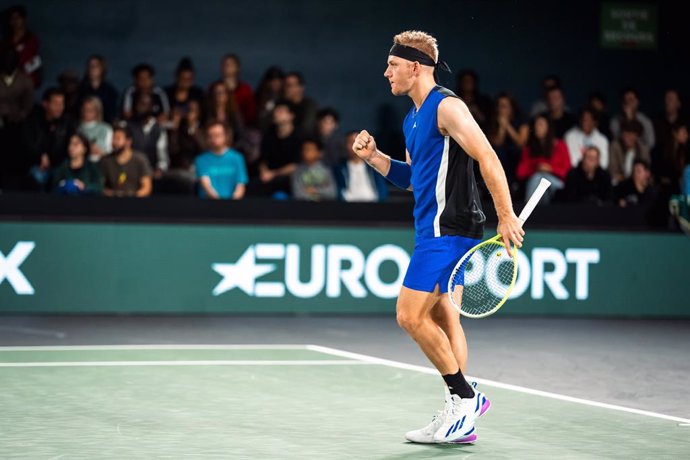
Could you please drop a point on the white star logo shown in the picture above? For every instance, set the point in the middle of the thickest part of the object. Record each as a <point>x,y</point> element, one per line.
<point>241,274</point>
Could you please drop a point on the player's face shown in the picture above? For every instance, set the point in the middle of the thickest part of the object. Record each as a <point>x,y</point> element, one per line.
<point>399,74</point>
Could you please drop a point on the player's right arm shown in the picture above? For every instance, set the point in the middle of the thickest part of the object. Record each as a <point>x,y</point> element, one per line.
<point>397,172</point>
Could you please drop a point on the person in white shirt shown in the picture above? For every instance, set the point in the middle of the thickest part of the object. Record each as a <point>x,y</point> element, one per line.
<point>585,135</point>
<point>356,181</point>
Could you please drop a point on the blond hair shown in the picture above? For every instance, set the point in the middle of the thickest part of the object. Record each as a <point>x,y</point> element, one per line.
<point>418,40</point>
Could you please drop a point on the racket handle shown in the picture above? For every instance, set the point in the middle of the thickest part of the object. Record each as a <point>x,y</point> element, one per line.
<point>534,199</point>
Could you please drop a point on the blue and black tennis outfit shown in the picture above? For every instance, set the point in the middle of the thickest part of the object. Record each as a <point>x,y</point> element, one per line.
<point>447,213</point>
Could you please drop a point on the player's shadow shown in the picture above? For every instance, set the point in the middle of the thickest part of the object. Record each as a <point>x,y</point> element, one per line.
<point>431,451</point>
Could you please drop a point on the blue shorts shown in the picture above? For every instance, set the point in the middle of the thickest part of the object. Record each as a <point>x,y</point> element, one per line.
<point>433,261</point>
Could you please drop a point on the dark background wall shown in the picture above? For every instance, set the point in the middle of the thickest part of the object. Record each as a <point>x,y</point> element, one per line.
<point>341,46</point>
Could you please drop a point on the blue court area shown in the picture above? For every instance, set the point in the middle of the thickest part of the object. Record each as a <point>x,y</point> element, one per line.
<point>286,401</point>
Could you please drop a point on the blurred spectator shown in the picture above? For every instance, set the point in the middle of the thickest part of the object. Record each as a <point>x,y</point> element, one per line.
<point>507,133</point>
<point>304,108</point>
<point>585,135</point>
<point>47,132</point>
<point>626,149</point>
<point>76,175</point>
<point>328,122</point>
<point>221,105</point>
<point>637,189</point>
<point>24,42</point>
<point>148,136</point>
<point>663,127</point>
<point>312,180</point>
<point>270,89</point>
<point>95,84</point>
<point>478,103</point>
<point>126,173</point>
<point>280,151</point>
<point>544,156</point>
<point>68,82</point>
<point>539,106</point>
<point>560,116</point>
<point>144,83</point>
<point>355,180</point>
<point>597,102</point>
<point>99,133</point>
<point>221,171</point>
<point>588,182</point>
<point>671,163</point>
<point>242,92</point>
<point>186,137</point>
<point>183,90</point>
<point>630,103</point>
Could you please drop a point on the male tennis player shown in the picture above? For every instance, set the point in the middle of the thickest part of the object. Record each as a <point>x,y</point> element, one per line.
<point>443,141</point>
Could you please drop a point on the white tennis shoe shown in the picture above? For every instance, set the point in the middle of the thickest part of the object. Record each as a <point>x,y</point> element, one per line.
<point>426,435</point>
<point>458,420</point>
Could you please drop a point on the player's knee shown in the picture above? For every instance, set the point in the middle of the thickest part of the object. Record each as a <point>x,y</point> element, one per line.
<point>408,322</point>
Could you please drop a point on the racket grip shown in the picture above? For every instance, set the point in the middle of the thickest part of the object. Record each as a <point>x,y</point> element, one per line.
<point>534,200</point>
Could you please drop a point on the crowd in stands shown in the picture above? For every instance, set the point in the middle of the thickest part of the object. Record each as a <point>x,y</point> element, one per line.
<point>229,140</point>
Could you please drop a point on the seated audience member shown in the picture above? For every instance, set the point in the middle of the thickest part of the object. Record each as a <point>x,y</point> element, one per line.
<point>507,133</point>
<point>186,137</point>
<point>305,108</point>
<point>334,151</point>
<point>149,137</point>
<point>46,134</point>
<point>663,126</point>
<point>241,91</point>
<point>597,102</point>
<point>585,135</point>
<point>588,182</point>
<point>183,91</point>
<point>626,149</point>
<point>544,156</point>
<point>99,134</point>
<point>270,89</point>
<point>94,84</point>
<point>221,171</point>
<point>560,116</point>
<point>280,151</point>
<point>126,173</point>
<point>312,180</point>
<point>636,190</point>
<point>221,105</point>
<point>672,165</point>
<point>68,83</point>
<point>144,83</point>
<point>539,106</point>
<point>355,180</point>
<point>24,42</point>
<point>630,104</point>
<point>478,103</point>
<point>76,175</point>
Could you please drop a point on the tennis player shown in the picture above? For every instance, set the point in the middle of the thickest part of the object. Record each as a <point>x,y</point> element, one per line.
<point>442,143</point>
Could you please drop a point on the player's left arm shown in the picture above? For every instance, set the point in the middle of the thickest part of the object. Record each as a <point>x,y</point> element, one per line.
<point>455,120</point>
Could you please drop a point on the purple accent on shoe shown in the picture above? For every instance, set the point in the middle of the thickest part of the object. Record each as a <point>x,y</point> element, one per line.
<point>485,407</point>
<point>465,439</point>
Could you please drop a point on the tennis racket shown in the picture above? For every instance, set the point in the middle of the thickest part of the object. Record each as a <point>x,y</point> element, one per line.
<point>483,279</point>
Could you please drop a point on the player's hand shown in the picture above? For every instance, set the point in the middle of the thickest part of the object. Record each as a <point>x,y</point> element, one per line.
<point>510,228</point>
<point>364,145</point>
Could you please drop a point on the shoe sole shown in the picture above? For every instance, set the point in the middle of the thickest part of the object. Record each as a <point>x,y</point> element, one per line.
<point>471,439</point>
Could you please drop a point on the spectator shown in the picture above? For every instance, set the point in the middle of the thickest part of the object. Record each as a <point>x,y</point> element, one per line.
<point>312,180</point>
<point>221,105</point>
<point>76,175</point>
<point>221,171</point>
<point>544,156</point>
<point>674,160</point>
<point>95,84</point>
<point>560,116</point>
<point>626,149</point>
<point>507,133</point>
<point>183,91</point>
<point>148,136</point>
<point>304,108</point>
<point>664,125</point>
<point>99,133</point>
<point>478,103</point>
<point>280,150</point>
<point>597,102</point>
<point>144,83</point>
<point>585,135</point>
<point>328,121</point>
<point>270,89</point>
<point>47,132</point>
<point>68,82</point>
<point>242,92</point>
<point>588,182</point>
<point>630,103</point>
<point>24,42</point>
<point>126,173</point>
<point>186,138</point>
<point>539,106</point>
<point>355,180</point>
<point>636,190</point>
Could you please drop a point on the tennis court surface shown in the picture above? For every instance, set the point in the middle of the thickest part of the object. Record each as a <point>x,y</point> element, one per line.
<point>286,401</point>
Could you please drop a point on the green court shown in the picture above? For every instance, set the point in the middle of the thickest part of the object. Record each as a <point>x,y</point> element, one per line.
<point>284,402</point>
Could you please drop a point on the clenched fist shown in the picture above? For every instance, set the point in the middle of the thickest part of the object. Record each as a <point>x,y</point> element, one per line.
<point>364,145</point>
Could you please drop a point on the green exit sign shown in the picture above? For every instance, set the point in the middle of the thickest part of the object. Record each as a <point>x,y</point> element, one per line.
<point>629,25</point>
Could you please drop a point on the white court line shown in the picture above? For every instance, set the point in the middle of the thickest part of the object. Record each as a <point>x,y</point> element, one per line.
<point>313,362</point>
<point>156,347</point>
<point>492,383</point>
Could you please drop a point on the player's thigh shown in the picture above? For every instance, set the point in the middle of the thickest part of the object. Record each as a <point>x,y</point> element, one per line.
<point>413,305</point>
